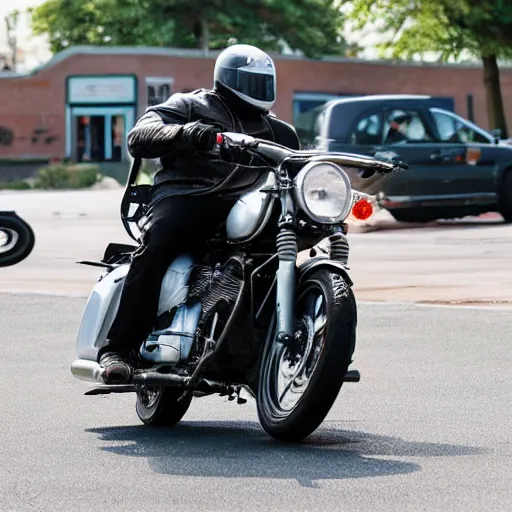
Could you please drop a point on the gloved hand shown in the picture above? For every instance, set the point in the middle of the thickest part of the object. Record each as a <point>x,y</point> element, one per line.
<point>201,136</point>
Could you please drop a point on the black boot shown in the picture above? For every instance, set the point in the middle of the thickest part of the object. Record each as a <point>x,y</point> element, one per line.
<point>117,370</point>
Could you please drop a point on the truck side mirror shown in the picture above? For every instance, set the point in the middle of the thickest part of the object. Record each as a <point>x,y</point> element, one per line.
<point>496,133</point>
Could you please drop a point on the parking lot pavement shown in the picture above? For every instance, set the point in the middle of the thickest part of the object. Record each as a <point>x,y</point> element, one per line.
<point>460,262</point>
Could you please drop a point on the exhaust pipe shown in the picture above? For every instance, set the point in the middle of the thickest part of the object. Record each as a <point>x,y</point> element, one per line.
<point>90,371</point>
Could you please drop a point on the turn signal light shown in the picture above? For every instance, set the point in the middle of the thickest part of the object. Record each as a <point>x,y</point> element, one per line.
<point>362,209</point>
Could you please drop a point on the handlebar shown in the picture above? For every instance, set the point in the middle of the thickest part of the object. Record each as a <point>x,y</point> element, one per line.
<point>276,154</point>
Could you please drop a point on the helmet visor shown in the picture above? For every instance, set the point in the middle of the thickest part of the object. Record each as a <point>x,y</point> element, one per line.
<point>259,86</point>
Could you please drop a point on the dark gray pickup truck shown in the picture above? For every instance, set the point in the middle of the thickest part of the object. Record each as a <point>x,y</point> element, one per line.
<point>455,167</point>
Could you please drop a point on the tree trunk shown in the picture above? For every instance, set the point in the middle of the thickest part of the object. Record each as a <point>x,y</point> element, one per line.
<point>205,37</point>
<point>493,94</point>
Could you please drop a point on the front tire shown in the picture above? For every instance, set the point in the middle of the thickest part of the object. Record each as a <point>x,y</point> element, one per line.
<point>16,240</point>
<point>161,406</point>
<point>505,197</point>
<point>326,309</point>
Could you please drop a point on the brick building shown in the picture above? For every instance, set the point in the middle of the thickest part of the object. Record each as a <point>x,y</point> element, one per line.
<point>84,100</point>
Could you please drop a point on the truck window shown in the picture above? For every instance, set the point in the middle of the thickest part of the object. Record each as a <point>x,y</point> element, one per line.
<point>309,126</point>
<point>368,131</point>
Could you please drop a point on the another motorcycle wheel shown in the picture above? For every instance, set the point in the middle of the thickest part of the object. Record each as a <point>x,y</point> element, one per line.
<point>297,387</point>
<point>161,406</point>
<point>16,240</point>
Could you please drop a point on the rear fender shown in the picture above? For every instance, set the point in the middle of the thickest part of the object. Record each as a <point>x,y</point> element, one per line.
<point>320,262</point>
<point>99,313</point>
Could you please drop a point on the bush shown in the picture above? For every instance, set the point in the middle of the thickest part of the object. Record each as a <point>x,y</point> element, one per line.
<point>15,185</point>
<point>63,176</point>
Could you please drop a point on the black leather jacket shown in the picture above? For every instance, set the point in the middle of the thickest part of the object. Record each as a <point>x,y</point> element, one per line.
<point>157,134</point>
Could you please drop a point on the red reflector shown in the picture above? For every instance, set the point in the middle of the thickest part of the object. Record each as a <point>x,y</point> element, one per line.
<point>220,138</point>
<point>362,210</point>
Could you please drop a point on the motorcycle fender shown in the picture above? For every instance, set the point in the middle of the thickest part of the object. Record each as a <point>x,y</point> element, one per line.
<point>99,313</point>
<point>319,262</point>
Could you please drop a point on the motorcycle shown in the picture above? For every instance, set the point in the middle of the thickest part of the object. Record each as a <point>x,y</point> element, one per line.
<point>16,239</point>
<point>247,320</point>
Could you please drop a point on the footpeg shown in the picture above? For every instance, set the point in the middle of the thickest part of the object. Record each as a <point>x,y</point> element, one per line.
<point>115,388</point>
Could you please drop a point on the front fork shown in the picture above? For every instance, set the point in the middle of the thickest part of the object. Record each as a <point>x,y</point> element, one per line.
<point>287,248</point>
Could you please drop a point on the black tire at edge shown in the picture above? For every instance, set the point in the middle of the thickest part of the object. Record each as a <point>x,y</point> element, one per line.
<point>505,196</point>
<point>25,243</point>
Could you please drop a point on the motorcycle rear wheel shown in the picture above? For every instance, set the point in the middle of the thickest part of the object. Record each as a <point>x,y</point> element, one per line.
<point>16,240</point>
<point>296,394</point>
<point>161,406</point>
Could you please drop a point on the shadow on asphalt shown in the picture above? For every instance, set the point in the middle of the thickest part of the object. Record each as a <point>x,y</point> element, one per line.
<point>243,450</point>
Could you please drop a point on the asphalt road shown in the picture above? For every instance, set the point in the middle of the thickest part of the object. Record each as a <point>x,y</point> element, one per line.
<point>427,428</point>
<point>463,261</point>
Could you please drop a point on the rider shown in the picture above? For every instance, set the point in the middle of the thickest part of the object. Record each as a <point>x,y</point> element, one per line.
<point>185,211</point>
<point>399,123</point>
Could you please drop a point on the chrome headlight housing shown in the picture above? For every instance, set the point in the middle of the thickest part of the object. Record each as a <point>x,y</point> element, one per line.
<point>323,192</point>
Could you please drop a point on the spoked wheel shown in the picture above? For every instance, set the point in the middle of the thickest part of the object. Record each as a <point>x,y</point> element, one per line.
<point>161,406</point>
<point>299,385</point>
<point>16,240</point>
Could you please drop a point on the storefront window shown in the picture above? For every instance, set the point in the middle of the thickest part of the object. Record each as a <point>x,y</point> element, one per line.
<point>159,89</point>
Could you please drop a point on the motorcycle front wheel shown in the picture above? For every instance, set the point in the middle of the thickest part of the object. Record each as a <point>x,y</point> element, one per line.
<point>16,240</point>
<point>297,387</point>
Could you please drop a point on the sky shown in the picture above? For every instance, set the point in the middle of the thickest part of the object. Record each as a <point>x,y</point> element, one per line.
<point>36,48</point>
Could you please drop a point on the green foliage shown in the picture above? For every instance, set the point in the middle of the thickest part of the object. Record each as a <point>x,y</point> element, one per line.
<point>447,27</point>
<point>312,26</point>
<point>63,176</point>
<point>15,185</point>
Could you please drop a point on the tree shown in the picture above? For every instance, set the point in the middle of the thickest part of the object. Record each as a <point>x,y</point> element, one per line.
<point>312,26</point>
<point>450,28</point>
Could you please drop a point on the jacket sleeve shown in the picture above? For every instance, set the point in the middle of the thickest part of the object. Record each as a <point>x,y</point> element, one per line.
<point>158,132</point>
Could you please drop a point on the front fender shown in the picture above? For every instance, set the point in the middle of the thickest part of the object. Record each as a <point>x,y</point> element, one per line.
<point>322,262</point>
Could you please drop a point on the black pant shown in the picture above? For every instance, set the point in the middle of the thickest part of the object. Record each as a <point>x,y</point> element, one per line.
<point>176,224</point>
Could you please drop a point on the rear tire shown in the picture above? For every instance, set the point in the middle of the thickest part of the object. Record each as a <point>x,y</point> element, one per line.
<point>161,406</point>
<point>16,240</point>
<point>333,336</point>
<point>505,196</point>
<point>406,216</point>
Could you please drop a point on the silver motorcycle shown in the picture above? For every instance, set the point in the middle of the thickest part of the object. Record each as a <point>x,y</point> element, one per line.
<point>248,319</point>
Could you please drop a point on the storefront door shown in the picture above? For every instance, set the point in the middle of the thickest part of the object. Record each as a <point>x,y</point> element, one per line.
<point>99,134</point>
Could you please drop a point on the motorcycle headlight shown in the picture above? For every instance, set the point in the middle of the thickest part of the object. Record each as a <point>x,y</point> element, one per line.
<point>323,192</point>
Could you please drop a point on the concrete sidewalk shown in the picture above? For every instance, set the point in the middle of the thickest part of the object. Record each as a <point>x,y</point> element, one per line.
<point>459,262</point>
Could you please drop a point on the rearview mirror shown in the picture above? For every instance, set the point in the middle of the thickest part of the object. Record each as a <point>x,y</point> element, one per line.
<point>496,133</point>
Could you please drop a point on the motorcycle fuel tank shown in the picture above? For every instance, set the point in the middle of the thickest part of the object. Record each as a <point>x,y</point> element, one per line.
<point>251,212</point>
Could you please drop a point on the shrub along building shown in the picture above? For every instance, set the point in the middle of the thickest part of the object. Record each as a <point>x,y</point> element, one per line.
<point>81,104</point>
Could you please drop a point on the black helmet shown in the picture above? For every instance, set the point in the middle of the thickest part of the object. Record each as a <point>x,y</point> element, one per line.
<point>249,73</point>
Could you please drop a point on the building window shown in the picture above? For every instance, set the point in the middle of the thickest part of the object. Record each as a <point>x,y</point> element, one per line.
<point>158,89</point>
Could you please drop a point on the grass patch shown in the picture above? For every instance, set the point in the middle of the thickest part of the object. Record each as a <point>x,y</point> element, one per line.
<point>65,176</point>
